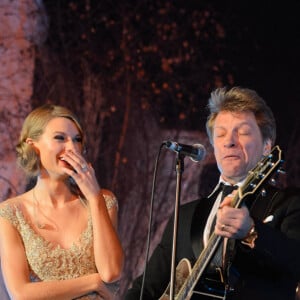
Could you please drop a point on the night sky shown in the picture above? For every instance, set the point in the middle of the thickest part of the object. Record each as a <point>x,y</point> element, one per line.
<point>274,29</point>
<point>260,48</point>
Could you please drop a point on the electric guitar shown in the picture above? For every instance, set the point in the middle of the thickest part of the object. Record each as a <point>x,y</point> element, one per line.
<point>187,277</point>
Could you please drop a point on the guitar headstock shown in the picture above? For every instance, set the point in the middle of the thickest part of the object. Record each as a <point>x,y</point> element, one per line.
<point>263,171</point>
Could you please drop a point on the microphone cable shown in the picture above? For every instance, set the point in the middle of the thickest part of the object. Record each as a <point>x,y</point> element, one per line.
<point>150,220</point>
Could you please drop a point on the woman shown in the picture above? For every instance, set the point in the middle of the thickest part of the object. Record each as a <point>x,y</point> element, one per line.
<point>59,239</point>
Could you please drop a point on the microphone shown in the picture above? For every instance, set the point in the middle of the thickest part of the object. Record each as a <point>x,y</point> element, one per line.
<point>195,152</point>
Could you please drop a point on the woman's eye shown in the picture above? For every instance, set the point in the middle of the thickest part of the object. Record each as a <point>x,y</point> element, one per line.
<point>78,139</point>
<point>59,137</point>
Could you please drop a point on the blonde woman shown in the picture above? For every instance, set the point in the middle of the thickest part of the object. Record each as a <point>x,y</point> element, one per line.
<point>59,239</point>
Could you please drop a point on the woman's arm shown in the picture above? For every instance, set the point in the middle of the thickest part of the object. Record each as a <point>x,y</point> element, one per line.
<point>108,251</point>
<point>107,247</point>
<point>17,278</point>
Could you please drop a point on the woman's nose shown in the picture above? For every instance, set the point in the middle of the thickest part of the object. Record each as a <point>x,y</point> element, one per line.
<point>71,146</point>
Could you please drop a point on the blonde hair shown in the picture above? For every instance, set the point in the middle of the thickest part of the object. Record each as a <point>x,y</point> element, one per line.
<point>33,127</point>
<point>239,99</point>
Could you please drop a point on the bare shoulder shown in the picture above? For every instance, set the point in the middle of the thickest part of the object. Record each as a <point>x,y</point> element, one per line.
<point>17,201</point>
<point>108,193</point>
<point>10,202</point>
<point>110,198</point>
<point>8,210</point>
<point>15,208</point>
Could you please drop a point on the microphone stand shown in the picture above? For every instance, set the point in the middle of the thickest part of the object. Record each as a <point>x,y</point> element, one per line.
<point>179,171</point>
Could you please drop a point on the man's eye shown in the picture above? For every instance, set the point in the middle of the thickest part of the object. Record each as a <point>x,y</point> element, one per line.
<point>244,133</point>
<point>219,134</point>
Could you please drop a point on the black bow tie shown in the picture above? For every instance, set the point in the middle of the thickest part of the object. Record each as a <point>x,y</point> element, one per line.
<point>227,189</point>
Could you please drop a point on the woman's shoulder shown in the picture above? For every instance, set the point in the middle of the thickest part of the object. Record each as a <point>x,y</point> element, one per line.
<point>107,193</point>
<point>16,200</point>
<point>8,209</point>
<point>110,198</point>
<point>10,206</point>
<point>10,202</point>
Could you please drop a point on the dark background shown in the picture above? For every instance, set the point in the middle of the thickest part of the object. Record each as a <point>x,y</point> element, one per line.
<point>205,43</point>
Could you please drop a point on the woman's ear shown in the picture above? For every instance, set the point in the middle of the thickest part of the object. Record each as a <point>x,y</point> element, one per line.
<point>30,142</point>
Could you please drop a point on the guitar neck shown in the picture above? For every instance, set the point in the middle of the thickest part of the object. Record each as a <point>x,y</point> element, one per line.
<point>199,267</point>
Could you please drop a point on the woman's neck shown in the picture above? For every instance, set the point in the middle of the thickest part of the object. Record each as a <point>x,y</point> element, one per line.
<point>53,193</point>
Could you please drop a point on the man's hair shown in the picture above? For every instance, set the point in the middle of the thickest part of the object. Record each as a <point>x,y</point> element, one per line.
<point>238,99</point>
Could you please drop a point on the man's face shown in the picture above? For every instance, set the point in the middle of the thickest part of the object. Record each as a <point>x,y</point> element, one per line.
<point>238,144</point>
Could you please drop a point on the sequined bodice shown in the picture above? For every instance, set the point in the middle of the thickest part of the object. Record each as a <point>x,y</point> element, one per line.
<point>52,262</point>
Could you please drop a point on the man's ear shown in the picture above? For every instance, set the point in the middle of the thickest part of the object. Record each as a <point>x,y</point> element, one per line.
<point>267,147</point>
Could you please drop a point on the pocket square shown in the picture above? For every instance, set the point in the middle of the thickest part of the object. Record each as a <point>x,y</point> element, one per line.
<point>268,219</point>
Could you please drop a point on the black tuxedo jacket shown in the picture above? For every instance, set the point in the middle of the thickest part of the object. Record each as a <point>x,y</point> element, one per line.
<point>269,271</point>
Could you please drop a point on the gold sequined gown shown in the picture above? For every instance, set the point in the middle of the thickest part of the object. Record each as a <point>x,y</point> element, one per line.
<point>48,262</point>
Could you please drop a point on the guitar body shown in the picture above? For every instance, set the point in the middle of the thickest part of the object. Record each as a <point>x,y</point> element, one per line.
<point>183,271</point>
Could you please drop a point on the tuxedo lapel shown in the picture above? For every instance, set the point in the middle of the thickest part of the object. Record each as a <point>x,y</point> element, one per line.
<point>199,221</point>
<point>260,206</point>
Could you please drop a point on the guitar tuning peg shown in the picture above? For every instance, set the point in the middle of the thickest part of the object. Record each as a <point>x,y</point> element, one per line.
<point>263,192</point>
<point>281,171</point>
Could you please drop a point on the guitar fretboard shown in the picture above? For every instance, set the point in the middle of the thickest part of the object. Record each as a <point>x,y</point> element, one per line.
<point>199,267</point>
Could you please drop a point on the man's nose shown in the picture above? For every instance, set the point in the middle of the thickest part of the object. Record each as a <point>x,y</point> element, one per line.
<point>230,141</point>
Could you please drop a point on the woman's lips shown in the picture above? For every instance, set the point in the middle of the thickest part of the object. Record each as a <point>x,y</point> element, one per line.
<point>65,163</point>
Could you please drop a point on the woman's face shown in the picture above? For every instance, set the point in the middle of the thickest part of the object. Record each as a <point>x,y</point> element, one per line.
<point>60,135</point>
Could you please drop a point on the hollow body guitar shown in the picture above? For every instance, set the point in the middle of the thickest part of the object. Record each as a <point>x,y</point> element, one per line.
<point>186,277</point>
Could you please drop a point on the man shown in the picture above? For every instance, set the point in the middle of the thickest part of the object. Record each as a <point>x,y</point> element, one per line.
<point>258,252</point>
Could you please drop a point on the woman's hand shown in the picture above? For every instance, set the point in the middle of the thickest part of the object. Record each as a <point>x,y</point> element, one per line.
<point>82,172</point>
<point>105,293</point>
<point>108,250</point>
<point>102,289</point>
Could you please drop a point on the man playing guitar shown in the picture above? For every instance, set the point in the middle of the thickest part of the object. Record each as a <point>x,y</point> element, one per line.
<point>247,245</point>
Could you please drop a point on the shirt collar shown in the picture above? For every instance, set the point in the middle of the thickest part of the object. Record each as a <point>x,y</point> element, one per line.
<point>221,180</point>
